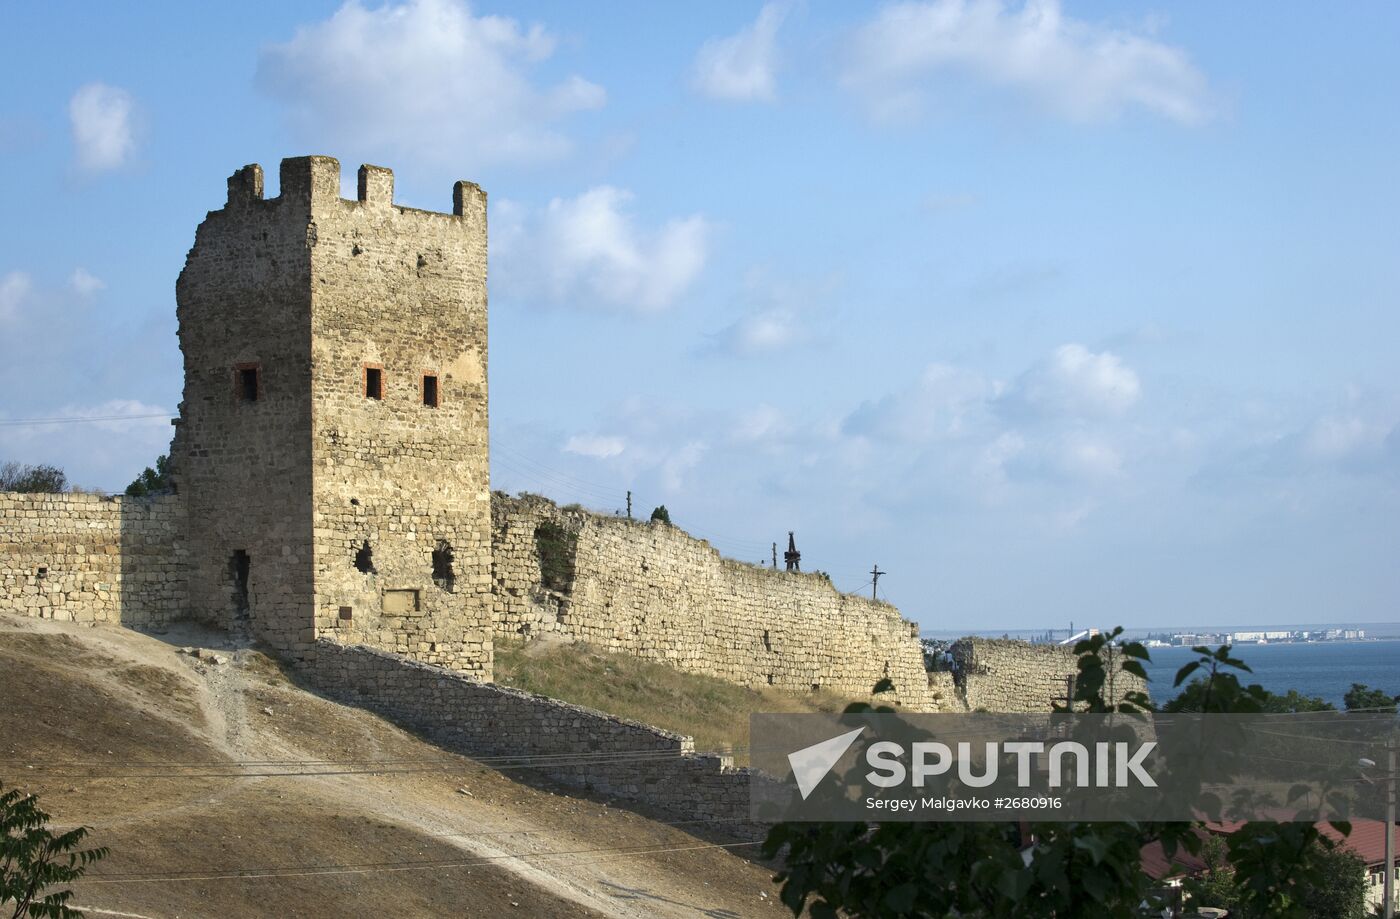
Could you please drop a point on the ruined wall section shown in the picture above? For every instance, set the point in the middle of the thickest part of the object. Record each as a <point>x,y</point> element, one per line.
<point>653,591</point>
<point>571,744</point>
<point>88,558</point>
<point>244,466</point>
<point>401,292</point>
<point>1003,675</point>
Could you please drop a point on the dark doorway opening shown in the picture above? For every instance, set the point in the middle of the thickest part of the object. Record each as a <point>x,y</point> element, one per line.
<point>364,559</point>
<point>443,575</point>
<point>239,567</point>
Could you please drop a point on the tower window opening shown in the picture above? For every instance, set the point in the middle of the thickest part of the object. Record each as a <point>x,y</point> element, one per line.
<point>430,390</point>
<point>443,575</point>
<point>374,382</point>
<point>247,382</point>
<point>364,559</point>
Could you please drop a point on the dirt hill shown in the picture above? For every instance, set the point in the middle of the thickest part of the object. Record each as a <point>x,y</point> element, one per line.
<point>224,790</point>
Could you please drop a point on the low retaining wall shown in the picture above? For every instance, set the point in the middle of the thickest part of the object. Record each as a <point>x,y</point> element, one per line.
<point>89,558</point>
<point>568,743</point>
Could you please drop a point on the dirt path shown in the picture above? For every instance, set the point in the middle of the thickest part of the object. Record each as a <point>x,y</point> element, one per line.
<point>183,772</point>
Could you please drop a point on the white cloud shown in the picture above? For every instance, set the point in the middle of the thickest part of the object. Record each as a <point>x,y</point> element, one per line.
<point>1078,70</point>
<point>760,332</point>
<point>743,66</point>
<point>84,283</point>
<point>1338,438</point>
<point>427,80</point>
<point>947,402</point>
<point>676,466</point>
<point>595,445</point>
<point>1076,381</point>
<point>102,118</point>
<point>588,250</point>
<point>15,288</point>
<point>1089,457</point>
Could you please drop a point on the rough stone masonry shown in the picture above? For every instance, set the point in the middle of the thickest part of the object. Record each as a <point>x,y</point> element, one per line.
<point>332,484</point>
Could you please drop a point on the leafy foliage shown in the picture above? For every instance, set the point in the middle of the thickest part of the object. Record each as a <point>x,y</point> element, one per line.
<point>41,478</point>
<point>34,859</point>
<point>1361,696</point>
<point>660,514</point>
<point>1047,870</point>
<point>155,481</point>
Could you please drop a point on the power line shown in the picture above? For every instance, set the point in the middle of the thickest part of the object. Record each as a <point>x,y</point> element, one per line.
<point>28,421</point>
<point>384,867</point>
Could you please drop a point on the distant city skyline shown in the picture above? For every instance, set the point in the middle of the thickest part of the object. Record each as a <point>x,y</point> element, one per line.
<point>1053,310</point>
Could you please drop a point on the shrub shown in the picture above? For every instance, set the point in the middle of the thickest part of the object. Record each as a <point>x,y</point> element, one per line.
<point>33,859</point>
<point>155,481</point>
<point>18,477</point>
<point>662,515</point>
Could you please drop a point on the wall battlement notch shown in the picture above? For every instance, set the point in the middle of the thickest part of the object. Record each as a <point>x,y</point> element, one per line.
<point>315,181</point>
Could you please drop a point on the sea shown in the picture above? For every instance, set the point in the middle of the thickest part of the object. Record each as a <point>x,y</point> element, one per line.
<point>1324,669</point>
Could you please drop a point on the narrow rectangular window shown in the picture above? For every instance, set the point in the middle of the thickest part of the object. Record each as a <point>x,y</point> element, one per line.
<point>430,390</point>
<point>247,382</point>
<point>374,382</point>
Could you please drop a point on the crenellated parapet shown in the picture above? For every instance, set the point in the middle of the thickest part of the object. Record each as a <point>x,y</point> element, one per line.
<point>315,181</point>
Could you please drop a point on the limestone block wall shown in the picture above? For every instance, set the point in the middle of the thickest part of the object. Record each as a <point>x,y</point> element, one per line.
<point>332,437</point>
<point>1001,675</point>
<point>405,474</point>
<point>542,736</point>
<point>87,558</point>
<point>240,458</point>
<point>653,591</point>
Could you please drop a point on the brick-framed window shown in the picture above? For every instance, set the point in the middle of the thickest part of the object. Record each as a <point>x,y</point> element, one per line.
<point>372,381</point>
<point>430,388</point>
<point>247,382</point>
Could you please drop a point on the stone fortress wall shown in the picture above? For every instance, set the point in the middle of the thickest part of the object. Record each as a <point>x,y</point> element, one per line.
<point>312,506</point>
<point>402,291</point>
<point>331,443</point>
<point>1002,675</point>
<point>653,591</point>
<point>88,558</point>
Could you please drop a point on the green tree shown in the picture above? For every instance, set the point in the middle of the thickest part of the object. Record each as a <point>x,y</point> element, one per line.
<point>41,478</point>
<point>661,514</point>
<point>34,859</point>
<point>1342,892</point>
<point>1361,696</point>
<point>1216,886</point>
<point>155,481</point>
<point>1192,697</point>
<point>1044,870</point>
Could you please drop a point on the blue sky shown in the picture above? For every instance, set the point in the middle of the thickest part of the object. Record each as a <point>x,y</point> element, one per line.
<point>1056,311</point>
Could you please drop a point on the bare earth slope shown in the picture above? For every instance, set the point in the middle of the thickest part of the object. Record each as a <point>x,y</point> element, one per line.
<point>180,764</point>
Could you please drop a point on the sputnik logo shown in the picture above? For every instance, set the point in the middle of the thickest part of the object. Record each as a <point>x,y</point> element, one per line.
<point>811,764</point>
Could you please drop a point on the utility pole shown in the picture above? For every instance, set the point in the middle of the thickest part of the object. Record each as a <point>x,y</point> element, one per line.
<point>775,556</point>
<point>875,573</point>
<point>1390,830</point>
<point>629,504</point>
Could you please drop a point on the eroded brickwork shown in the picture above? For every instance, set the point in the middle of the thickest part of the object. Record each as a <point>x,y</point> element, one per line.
<point>1001,675</point>
<point>86,558</point>
<point>318,494</point>
<point>653,591</point>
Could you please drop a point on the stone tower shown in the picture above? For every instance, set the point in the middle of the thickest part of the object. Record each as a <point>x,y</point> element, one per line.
<point>332,442</point>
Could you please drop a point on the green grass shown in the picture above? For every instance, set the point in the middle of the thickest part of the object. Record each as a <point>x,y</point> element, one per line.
<point>713,711</point>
